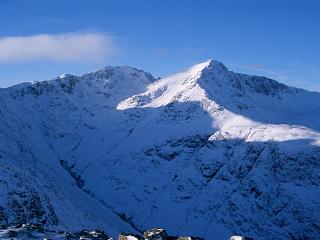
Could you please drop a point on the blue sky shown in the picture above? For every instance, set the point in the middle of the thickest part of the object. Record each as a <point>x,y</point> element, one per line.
<point>42,39</point>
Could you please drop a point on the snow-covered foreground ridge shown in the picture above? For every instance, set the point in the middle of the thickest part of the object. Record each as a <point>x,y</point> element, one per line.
<point>204,152</point>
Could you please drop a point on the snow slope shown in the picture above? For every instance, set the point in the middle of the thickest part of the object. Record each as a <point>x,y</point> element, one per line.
<point>205,152</point>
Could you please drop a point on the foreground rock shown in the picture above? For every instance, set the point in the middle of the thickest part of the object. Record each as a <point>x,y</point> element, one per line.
<point>161,234</point>
<point>156,234</point>
<point>37,232</point>
<point>29,231</point>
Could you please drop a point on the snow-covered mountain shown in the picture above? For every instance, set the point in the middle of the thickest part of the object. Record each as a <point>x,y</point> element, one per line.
<point>205,152</point>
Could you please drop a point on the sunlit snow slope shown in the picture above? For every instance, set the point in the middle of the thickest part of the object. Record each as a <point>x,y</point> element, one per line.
<point>205,152</point>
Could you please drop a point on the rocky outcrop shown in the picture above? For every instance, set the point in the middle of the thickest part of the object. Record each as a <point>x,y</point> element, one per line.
<point>155,234</point>
<point>31,231</point>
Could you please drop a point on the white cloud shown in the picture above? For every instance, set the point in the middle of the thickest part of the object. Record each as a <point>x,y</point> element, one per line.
<point>69,47</point>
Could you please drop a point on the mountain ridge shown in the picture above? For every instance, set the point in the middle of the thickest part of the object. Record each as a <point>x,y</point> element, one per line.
<point>205,152</point>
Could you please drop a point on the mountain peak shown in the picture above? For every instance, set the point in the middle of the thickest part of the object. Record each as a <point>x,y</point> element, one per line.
<point>213,67</point>
<point>208,68</point>
<point>213,64</point>
<point>120,72</point>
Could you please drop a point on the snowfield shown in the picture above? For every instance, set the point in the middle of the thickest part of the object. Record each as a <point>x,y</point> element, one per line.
<point>204,152</point>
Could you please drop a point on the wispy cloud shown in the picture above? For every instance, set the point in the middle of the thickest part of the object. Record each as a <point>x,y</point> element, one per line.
<point>69,47</point>
<point>263,70</point>
<point>255,66</point>
<point>177,52</point>
<point>160,52</point>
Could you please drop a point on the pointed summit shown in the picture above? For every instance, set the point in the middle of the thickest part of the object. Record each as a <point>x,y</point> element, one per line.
<point>213,64</point>
<point>209,67</point>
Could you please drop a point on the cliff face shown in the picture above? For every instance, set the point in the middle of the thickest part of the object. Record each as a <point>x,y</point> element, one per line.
<point>205,152</point>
